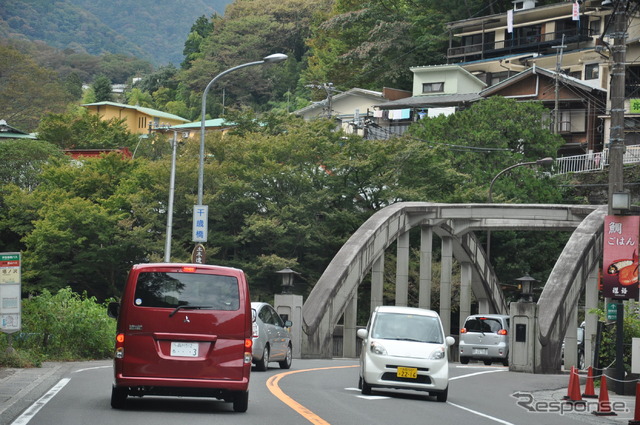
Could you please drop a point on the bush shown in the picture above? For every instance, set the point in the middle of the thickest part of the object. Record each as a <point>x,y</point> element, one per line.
<point>64,326</point>
<point>608,342</point>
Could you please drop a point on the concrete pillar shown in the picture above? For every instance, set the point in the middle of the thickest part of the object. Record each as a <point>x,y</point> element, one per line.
<point>522,340</point>
<point>571,340</point>
<point>402,270</point>
<point>349,334</point>
<point>377,282</point>
<point>465,292</point>
<point>445,283</point>
<point>591,319</point>
<point>290,305</point>
<point>426,254</point>
<point>484,307</point>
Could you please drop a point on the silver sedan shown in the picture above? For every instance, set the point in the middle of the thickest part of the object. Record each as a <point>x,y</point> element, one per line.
<point>271,338</point>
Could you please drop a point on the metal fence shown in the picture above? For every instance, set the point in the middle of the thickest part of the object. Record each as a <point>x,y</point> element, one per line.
<point>592,161</point>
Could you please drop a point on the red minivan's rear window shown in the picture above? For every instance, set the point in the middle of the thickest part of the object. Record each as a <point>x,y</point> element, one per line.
<point>195,290</point>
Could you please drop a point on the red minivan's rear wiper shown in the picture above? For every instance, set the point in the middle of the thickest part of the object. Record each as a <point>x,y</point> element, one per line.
<point>190,307</point>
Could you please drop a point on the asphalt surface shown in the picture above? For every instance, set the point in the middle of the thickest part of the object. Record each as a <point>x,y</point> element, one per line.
<point>21,388</point>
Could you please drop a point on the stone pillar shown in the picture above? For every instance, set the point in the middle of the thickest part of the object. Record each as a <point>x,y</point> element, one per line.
<point>402,270</point>
<point>290,305</point>
<point>349,334</point>
<point>426,254</point>
<point>377,282</point>
<point>445,283</point>
<point>465,292</point>
<point>591,319</point>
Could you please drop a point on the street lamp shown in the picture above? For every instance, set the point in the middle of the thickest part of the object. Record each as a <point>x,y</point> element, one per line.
<point>274,58</point>
<point>543,161</point>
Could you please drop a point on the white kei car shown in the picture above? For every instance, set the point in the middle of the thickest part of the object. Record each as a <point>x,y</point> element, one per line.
<point>405,348</point>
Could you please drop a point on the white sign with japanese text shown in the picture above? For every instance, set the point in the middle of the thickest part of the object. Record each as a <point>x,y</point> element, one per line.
<point>200,223</point>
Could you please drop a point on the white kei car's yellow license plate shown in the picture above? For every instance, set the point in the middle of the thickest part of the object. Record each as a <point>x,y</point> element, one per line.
<point>407,372</point>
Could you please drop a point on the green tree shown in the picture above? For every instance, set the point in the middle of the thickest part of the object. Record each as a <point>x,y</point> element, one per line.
<point>79,129</point>
<point>102,89</point>
<point>200,30</point>
<point>27,91</point>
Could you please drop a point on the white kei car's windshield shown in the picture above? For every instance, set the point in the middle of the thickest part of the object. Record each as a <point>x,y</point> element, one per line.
<point>407,327</point>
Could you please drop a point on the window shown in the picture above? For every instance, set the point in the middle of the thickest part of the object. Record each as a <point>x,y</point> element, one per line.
<point>591,71</point>
<point>170,290</point>
<point>432,87</point>
<point>142,122</point>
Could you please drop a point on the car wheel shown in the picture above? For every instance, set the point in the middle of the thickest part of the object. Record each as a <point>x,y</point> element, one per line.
<point>263,364</point>
<point>505,361</point>
<point>118,397</point>
<point>366,388</point>
<point>241,401</point>
<point>464,360</point>
<point>286,363</point>
<point>487,362</point>
<point>360,382</point>
<point>442,395</point>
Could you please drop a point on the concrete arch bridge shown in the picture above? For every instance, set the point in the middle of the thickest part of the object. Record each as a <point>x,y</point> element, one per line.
<point>335,293</point>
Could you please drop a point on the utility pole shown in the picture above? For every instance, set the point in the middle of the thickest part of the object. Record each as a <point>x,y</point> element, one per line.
<point>556,109</point>
<point>616,152</point>
<point>329,89</point>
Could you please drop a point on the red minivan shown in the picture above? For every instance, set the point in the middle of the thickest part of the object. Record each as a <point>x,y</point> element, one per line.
<point>183,330</point>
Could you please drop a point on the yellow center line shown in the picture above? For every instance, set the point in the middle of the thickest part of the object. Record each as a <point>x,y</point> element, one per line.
<point>272,384</point>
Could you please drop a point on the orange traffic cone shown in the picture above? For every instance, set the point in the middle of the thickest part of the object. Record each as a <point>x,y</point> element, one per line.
<point>589,391</point>
<point>636,414</point>
<point>571,378</point>
<point>604,407</point>
<point>573,395</point>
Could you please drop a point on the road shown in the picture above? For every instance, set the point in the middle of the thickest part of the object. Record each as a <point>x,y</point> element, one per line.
<point>324,392</point>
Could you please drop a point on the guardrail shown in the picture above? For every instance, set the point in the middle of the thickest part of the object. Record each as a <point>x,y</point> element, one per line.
<point>592,161</point>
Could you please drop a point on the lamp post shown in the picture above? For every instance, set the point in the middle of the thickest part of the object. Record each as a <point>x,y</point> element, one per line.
<point>543,161</point>
<point>526,286</point>
<point>201,212</point>
<point>274,58</point>
<point>287,279</point>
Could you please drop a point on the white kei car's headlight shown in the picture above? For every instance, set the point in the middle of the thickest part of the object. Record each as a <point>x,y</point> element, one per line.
<point>377,348</point>
<point>437,354</point>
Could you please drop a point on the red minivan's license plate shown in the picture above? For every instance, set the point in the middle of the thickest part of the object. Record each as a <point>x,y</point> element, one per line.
<point>184,349</point>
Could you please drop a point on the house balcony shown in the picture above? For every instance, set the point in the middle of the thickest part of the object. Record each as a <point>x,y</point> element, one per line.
<point>539,43</point>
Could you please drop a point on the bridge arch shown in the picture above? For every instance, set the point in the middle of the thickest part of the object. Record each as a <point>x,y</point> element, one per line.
<point>335,293</point>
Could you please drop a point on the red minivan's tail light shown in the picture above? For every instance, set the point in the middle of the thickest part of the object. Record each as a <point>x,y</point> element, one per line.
<point>119,354</point>
<point>463,330</point>
<point>502,332</point>
<point>248,355</point>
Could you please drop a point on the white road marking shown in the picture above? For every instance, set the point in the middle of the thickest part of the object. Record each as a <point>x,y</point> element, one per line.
<point>35,407</point>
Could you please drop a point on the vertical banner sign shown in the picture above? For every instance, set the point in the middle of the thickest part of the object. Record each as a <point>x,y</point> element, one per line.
<point>10,290</point>
<point>575,16</point>
<point>510,21</point>
<point>620,257</point>
<point>200,223</point>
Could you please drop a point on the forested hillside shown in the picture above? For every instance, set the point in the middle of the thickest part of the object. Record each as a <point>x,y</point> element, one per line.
<point>154,30</point>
